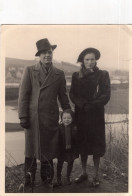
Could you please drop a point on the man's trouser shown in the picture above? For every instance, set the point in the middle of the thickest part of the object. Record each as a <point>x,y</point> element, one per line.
<point>46,170</point>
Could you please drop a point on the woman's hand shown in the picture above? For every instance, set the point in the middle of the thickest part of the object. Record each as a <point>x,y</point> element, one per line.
<point>24,122</point>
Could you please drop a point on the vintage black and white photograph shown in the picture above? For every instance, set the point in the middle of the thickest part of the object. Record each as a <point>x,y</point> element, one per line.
<point>67,108</point>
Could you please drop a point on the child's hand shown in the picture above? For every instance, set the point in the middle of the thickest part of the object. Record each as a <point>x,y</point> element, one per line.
<point>68,147</point>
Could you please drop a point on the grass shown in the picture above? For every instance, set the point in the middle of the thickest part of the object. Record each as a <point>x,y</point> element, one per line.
<point>115,161</point>
<point>13,127</point>
<point>13,179</point>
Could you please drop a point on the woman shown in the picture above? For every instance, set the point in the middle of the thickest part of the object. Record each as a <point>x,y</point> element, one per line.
<point>90,91</point>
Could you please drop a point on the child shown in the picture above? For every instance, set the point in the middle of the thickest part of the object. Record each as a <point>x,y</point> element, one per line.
<point>68,144</point>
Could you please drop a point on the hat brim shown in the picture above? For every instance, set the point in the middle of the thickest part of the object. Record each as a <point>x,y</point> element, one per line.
<point>89,50</point>
<point>52,46</point>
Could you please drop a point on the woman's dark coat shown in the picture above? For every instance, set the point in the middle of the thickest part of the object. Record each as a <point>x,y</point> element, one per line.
<point>38,101</point>
<point>89,94</point>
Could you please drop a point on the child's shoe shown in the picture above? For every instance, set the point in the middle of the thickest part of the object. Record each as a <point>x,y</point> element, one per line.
<point>58,183</point>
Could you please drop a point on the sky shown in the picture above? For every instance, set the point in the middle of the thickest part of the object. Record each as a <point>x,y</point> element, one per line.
<point>113,41</point>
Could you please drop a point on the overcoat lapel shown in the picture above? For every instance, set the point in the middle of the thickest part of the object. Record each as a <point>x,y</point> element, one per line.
<point>42,78</point>
<point>39,74</point>
<point>51,77</point>
<point>42,75</point>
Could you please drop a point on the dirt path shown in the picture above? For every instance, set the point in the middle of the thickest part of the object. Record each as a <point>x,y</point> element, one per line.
<point>107,185</point>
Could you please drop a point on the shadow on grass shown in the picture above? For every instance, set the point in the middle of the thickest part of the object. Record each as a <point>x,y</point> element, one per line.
<point>13,127</point>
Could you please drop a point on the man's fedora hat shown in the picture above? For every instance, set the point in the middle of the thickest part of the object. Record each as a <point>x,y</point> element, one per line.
<point>88,51</point>
<point>44,44</point>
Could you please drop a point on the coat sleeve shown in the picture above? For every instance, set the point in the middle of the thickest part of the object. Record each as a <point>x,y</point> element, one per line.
<point>78,101</point>
<point>24,94</point>
<point>75,134</point>
<point>62,95</point>
<point>75,138</point>
<point>61,138</point>
<point>104,91</point>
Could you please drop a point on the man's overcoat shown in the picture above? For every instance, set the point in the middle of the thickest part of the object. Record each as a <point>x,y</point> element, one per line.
<point>37,101</point>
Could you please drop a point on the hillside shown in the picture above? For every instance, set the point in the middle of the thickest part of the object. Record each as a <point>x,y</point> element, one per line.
<point>14,68</point>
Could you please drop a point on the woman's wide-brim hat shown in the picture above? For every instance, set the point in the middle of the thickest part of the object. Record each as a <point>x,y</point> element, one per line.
<point>43,45</point>
<point>88,51</point>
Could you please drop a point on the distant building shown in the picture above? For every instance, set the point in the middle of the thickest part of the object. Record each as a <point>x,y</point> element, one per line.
<point>125,81</point>
<point>115,81</point>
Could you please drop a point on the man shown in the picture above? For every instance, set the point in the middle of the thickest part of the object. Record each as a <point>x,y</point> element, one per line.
<point>41,85</point>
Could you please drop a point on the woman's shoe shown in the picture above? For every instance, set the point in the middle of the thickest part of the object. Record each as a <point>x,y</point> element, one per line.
<point>81,178</point>
<point>69,181</point>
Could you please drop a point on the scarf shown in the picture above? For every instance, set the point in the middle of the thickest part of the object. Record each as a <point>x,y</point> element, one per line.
<point>45,69</point>
<point>68,136</point>
<point>85,72</point>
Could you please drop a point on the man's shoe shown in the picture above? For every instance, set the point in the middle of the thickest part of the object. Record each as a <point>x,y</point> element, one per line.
<point>81,178</point>
<point>29,180</point>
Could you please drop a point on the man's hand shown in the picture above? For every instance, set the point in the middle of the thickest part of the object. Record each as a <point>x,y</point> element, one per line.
<point>24,122</point>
